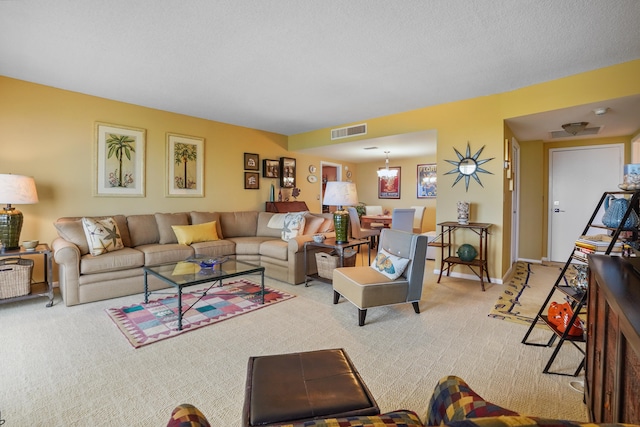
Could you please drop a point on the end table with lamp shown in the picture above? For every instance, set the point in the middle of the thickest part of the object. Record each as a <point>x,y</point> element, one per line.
<point>340,194</point>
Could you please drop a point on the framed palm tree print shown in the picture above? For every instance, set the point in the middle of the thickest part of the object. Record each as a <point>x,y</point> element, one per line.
<point>185,166</point>
<point>119,161</point>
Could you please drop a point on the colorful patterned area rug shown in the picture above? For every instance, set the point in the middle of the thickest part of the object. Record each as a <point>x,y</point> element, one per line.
<point>524,294</point>
<point>144,324</point>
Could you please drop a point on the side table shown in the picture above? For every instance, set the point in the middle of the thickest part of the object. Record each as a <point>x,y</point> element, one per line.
<point>39,289</point>
<point>481,263</point>
<point>338,247</point>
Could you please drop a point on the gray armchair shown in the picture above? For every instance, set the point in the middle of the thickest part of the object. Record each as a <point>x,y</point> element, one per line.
<point>366,287</point>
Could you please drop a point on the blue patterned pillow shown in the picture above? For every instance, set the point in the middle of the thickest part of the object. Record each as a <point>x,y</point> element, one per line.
<point>390,265</point>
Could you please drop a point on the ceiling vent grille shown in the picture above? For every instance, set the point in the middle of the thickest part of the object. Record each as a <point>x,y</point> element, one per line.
<point>555,134</point>
<point>349,131</point>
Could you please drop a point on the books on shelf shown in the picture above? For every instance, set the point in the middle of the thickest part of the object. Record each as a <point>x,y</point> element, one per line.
<point>598,243</point>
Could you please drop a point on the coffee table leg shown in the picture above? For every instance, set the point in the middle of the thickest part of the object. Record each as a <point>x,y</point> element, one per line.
<point>179,308</point>
<point>146,289</point>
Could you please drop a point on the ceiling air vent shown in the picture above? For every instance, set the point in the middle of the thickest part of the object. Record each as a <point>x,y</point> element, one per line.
<point>349,131</point>
<point>555,134</point>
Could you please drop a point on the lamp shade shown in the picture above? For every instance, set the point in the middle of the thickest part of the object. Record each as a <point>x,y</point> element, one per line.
<point>340,193</point>
<point>14,189</point>
<point>17,189</point>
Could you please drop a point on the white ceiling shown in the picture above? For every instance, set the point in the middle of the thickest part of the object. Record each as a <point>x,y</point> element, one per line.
<point>291,66</point>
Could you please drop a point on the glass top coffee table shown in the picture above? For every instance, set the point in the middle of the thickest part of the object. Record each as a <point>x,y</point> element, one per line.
<point>191,272</point>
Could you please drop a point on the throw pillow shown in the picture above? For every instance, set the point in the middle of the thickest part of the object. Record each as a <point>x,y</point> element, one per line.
<point>390,265</point>
<point>326,226</point>
<point>102,235</point>
<point>188,234</point>
<point>312,224</point>
<point>166,221</point>
<point>293,225</point>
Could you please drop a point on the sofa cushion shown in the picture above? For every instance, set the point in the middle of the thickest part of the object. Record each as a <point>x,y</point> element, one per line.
<point>327,226</point>
<point>71,230</point>
<point>312,224</point>
<point>202,217</point>
<point>293,225</point>
<point>157,254</point>
<point>188,234</point>
<point>390,265</point>
<point>102,235</point>
<point>239,224</point>
<point>269,224</point>
<point>215,248</point>
<point>249,245</point>
<point>143,229</point>
<point>165,221</point>
<point>277,249</point>
<point>112,261</point>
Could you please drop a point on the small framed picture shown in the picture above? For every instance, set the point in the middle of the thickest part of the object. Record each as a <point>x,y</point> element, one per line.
<point>287,172</point>
<point>427,181</point>
<point>251,162</point>
<point>270,168</point>
<point>389,185</point>
<point>251,180</point>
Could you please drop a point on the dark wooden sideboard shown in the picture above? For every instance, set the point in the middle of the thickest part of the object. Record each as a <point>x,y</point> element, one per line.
<point>284,207</point>
<point>612,380</point>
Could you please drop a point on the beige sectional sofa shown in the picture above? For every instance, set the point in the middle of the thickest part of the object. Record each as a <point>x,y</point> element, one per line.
<point>149,239</point>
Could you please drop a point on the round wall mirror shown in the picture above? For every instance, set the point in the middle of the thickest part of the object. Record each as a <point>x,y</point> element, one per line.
<point>467,166</point>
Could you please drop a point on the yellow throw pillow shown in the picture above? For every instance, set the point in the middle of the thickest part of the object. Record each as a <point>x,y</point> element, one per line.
<point>188,234</point>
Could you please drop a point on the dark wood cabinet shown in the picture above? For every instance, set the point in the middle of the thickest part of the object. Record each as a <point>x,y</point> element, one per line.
<point>612,380</point>
<point>284,207</point>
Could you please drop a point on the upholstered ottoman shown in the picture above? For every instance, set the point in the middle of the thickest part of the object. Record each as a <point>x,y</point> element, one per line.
<point>304,386</point>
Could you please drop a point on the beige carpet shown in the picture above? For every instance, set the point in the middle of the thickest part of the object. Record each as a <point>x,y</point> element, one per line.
<point>69,366</point>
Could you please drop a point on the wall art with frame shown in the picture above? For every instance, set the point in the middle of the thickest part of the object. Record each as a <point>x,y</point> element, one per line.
<point>389,187</point>
<point>251,162</point>
<point>251,180</point>
<point>287,172</point>
<point>427,181</point>
<point>185,166</point>
<point>119,169</point>
<point>270,168</point>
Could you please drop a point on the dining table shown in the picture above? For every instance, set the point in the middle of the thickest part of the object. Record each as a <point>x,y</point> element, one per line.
<point>367,220</point>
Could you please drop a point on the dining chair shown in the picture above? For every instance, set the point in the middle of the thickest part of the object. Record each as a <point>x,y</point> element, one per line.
<point>375,210</point>
<point>417,219</point>
<point>357,232</point>
<point>402,219</point>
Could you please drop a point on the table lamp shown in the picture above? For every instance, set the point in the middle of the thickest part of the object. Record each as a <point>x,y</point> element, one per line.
<point>14,189</point>
<point>340,193</point>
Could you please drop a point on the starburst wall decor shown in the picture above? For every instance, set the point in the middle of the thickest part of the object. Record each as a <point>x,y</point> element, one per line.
<point>468,166</point>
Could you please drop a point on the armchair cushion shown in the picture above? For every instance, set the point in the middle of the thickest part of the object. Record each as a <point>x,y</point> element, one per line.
<point>390,265</point>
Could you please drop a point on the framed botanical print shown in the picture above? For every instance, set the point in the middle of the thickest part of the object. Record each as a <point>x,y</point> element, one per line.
<point>185,166</point>
<point>251,162</point>
<point>287,172</point>
<point>251,180</point>
<point>427,181</point>
<point>270,168</point>
<point>389,185</point>
<point>119,161</point>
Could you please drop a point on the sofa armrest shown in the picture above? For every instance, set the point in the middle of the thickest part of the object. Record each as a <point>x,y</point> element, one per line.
<point>67,256</point>
<point>454,400</point>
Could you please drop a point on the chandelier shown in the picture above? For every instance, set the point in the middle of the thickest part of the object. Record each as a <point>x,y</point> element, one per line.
<point>574,128</point>
<point>386,172</point>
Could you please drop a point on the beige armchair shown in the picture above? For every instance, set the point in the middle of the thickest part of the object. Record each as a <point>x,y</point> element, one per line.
<point>368,287</point>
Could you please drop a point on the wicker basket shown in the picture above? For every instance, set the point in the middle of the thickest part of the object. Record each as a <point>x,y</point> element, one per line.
<point>326,262</point>
<point>15,277</point>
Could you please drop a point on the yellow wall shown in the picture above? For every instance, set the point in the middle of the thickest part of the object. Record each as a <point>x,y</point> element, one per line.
<point>481,122</point>
<point>49,134</point>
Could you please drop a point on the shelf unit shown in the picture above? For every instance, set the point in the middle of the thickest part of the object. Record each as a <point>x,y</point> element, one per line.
<point>38,289</point>
<point>577,299</point>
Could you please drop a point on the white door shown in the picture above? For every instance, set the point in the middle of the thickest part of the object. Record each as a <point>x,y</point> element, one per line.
<point>578,176</point>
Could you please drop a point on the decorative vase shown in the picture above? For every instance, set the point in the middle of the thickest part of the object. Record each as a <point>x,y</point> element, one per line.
<point>272,194</point>
<point>467,253</point>
<point>463,213</point>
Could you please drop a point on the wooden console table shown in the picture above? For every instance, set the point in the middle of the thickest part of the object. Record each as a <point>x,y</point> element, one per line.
<point>284,207</point>
<point>480,262</point>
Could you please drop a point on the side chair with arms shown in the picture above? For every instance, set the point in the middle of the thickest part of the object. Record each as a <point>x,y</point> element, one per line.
<point>418,216</point>
<point>402,219</point>
<point>358,232</point>
<point>385,282</point>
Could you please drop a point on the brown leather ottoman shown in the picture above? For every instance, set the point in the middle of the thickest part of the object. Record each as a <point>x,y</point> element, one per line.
<point>292,387</point>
